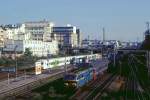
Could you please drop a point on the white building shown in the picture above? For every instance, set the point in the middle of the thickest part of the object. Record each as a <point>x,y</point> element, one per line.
<point>2,37</point>
<point>39,30</point>
<point>23,36</point>
<point>37,48</point>
<point>13,30</point>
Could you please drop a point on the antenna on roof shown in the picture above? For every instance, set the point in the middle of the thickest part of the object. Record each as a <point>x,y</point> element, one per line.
<point>44,20</point>
<point>88,37</point>
<point>103,34</point>
<point>147,23</point>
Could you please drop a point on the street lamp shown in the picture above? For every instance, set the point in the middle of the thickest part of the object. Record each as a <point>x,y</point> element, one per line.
<point>65,52</point>
<point>16,60</point>
<point>48,57</point>
<point>114,56</point>
<point>24,74</point>
<point>8,75</point>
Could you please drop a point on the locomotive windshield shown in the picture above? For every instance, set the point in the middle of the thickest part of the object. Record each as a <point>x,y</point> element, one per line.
<point>70,77</point>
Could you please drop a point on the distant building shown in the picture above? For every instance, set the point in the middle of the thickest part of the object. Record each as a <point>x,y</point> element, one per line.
<point>23,36</point>
<point>66,36</point>
<point>2,37</point>
<point>146,42</point>
<point>40,30</point>
<point>38,48</point>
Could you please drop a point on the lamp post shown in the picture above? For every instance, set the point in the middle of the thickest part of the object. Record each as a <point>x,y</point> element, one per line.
<point>48,57</point>
<point>65,61</point>
<point>24,74</point>
<point>102,51</point>
<point>16,64</point>
<point>114,56</point>
<point>8,77</point>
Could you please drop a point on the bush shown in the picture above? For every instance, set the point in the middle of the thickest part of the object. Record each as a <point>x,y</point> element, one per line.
<point>7,62</point>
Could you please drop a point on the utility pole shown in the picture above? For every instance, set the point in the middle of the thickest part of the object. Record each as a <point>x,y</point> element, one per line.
<point>103,34</point>
<point>24,74</point>
<point>16,61</point>
<point>88,38</point>
<point>8,77</point>
<point>48,57</point>
<point>120,68</point>
<point>103,41</point>
<point>147,24</point>
<point>114,56</point>
<point>65,60</point>
<point>148,64</point>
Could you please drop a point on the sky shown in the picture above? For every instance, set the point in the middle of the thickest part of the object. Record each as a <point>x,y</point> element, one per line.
<point>123,20</point>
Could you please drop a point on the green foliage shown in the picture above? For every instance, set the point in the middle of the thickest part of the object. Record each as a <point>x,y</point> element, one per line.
<point>37,97</point>
<point>57,87</point>
<point>26,60</point>
<point>2,62</point>
<point>27,52</point>
<point>7,61</point>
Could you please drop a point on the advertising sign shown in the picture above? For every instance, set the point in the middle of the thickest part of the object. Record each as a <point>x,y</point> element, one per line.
<point>38,69</point>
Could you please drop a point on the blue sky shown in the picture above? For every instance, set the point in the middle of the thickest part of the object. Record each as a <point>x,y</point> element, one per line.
<point>122,19</point>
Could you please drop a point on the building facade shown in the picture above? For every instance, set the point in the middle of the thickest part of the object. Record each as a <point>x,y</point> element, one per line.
<point>2,37</point>
<point>40,30</point>
<point>38,48</point>
<point>66,36</point>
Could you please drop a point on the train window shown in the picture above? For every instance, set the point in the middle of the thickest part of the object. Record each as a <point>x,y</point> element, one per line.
<point>70,77</point>
<point>80,76</point>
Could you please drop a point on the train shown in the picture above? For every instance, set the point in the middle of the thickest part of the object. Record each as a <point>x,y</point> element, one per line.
<point>61,61</point>
<point>81,77</point>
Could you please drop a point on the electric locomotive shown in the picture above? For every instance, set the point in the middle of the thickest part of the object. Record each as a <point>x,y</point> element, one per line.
<point>83,77</point>
<point>79,78</point>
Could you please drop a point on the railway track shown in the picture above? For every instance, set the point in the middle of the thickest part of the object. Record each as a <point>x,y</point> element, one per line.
<point>132,86</point>
<point>27,88</point>
<point>141,83</point>
<point>85,90</point>
<point>102,88</point>
<point>99,89</point>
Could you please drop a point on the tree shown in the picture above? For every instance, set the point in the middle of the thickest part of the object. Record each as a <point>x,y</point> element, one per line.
<point>27,52</point>
<point>2,62</point>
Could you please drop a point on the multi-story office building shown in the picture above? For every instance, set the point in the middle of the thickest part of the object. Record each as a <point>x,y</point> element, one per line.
<point>38,48</point>
<point>40,30</point>
<point>66,36</point>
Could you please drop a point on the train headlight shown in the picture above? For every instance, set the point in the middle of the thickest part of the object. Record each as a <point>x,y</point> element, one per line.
<point>66,84</point>
<point>74,84</point>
